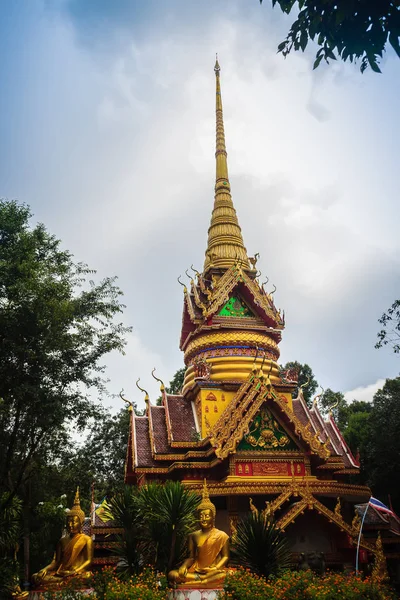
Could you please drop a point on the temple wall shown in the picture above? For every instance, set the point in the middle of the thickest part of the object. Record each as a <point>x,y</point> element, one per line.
<point>312,533</point>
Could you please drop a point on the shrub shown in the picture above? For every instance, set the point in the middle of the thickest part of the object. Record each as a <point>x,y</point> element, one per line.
<point>101,580</point>
<point>156,520</point>
<point>259,546</point>
<point>145,586</point>
<point>303,585</point>
<point>243,585</point>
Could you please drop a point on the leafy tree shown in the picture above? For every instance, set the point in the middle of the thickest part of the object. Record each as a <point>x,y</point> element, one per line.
<point>104,451</point>
<point>390,334</point>
<point>55,327</point>
<point>357,430</point>
<point>380,458</point>
<point>348,29</point>
<point>176,383</point>
<point>305,378</point>
<point>46,523</point>
<point>10,533</point>
<point>335,402</point>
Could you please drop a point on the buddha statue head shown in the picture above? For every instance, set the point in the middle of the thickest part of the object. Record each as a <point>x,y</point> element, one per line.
<point>206,509</point>
<point>75,516</point>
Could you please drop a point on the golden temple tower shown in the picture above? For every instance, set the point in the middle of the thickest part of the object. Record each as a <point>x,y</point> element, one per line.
<point>235,422</point>
<point>230,324</point>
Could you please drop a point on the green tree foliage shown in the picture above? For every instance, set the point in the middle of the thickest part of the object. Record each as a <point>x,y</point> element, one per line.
<point>334,402</point>
<point>390,334</point>
<point>346,29</point>
<point>10,532</point>
<point>55,328</point>
<point>356,431</point>
<point>259,546</point>
<point>176,383</point>
<point>306,379</point>
<point>380,458</point>
<point>46,523</point>
<point>104,451</point>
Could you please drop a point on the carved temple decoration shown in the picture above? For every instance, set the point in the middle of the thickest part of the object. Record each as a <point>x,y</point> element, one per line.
<point>237,420</point>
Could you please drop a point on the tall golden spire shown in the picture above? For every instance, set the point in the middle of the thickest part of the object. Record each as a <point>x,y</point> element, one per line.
<point>225,243</point>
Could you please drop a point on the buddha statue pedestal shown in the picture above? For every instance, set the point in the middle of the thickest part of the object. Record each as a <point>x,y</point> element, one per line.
<point>40,594</point>
<point>193,594</point>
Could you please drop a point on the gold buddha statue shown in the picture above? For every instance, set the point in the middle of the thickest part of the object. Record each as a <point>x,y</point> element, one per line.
<point>208,552</point>
<point>74,553</point>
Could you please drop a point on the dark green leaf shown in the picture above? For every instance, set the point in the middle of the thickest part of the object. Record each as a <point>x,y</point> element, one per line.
<point>394,40</point>
<point>317,61</point>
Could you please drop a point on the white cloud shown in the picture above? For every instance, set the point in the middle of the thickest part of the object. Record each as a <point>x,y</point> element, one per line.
<point>124,167</point>
<point>364,393</point>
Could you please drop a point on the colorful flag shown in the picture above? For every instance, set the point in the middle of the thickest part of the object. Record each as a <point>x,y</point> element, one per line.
<point>102,511</point>
<point>380,506</point>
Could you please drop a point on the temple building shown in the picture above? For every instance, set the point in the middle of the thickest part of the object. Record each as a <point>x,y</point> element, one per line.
<point>235,422</point>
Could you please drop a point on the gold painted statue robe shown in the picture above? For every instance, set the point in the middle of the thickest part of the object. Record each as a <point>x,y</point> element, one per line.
<point>71,552</point>
<point>207,555</point>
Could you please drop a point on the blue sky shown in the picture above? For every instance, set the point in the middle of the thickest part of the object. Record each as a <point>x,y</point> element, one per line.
<point>107,132</point>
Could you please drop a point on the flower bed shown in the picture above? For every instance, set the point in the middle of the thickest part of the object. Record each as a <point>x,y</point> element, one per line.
<point>303,585</point>
<point>240,585</point>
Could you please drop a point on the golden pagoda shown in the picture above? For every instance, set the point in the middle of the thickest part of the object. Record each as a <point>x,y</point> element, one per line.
<point>235,422</point>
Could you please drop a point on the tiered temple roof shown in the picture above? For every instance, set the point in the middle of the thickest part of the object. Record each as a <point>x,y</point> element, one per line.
<point>235,421</point>
<point>168,436</point>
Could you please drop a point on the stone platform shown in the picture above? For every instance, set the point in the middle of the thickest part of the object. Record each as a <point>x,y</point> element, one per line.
<point>195,594</point>
<point>40,594</point>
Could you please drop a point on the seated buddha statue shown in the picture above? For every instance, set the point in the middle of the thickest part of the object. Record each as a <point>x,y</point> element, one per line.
<point>74,553</point>
<point>208,552</point>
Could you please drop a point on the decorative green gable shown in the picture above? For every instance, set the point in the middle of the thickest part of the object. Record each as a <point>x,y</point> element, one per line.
<point>265,433</point>
<point>235,307</point>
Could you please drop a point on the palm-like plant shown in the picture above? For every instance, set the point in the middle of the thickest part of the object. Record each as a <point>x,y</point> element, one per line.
<point>169,514</point>
<point>259,546</point>
<point>131,547</point>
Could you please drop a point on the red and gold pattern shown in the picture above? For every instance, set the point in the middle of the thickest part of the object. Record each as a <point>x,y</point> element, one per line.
<point>270,469</point>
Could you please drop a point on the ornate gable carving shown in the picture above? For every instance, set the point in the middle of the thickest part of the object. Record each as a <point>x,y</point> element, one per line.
<point>235,422</point>
<point>265,433</point>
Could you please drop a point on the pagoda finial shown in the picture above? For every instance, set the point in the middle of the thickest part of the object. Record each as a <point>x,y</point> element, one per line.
<point>225,245</point>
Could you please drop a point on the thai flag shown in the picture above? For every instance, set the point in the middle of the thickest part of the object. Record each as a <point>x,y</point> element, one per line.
<point>380,506</point>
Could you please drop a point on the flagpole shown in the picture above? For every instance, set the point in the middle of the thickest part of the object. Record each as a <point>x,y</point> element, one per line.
<point>359,535</point>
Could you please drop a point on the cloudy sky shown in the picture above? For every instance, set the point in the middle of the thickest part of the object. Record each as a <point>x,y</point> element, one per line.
<point>107,132</point>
